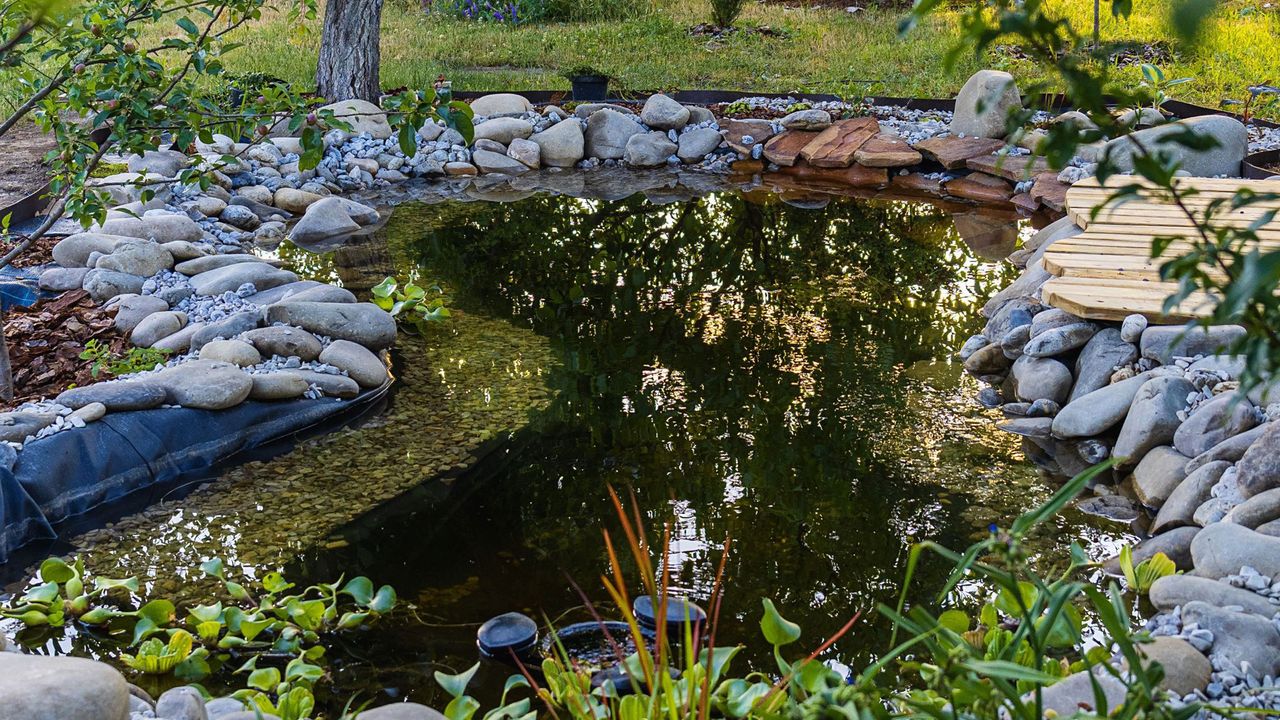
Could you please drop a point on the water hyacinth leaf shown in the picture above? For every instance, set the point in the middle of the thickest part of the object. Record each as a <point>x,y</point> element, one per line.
<point>456,685</point>
<point>207,613</point>
<point>360,589</point>
<point>740,703</point>
<point>107,584</point>
<point>250,629</point>
<point>212,568</point>
<point>957,621</point>
<point>299,669</point>
<point>383,600</point>
<point>777,629</point>
<point>720,658</point>
<point>208,631</point>
<point>352,620</point>
<point>144,628</point>
<point>42,594</point>
<point>274,582</point>
<point>160,612</point>
<point>461,708</point>
<point>264,679</point>
<point>195,667</point>
<point>56,571</point>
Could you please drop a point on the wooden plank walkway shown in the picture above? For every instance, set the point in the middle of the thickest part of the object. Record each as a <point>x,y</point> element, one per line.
<point>1107,273</point>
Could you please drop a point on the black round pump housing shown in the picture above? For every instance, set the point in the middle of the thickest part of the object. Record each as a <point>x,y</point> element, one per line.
<point>505,634</point>
<point>679,612</point>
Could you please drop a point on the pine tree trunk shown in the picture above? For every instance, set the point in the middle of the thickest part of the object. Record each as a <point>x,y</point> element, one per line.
<point>348,67</point>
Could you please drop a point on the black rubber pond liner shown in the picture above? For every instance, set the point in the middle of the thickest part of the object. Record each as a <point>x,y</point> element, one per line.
<point>679,613</point>
<point>78,478</point>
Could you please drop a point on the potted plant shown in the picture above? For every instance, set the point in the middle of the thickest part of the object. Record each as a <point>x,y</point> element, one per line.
<point>589,84</point>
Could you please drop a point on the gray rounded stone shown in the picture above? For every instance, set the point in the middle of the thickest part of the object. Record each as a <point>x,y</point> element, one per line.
<point>277,386</point>
<point>1104,352</point>
<point>156,327</point>
<point>236,352</point>
<point>1190,494</point>
<point>1155,478</point>
<point>1225,416</point>
<point>284,341</point>
<point>181,703</point>
<point>1173,590</point>
<point>648,149</point>
<point>358,362</point>
<point>1257,510</point>
<point>228,279</point>
<point>1185,668</point>
<point>1223,548</point>
<point>1153,418</point>
<point>137,258</point>
<point>195,266</point>
<point>204,384</point>
<point>562,144</point>
<point>339,386</point>
<point>38,687</point>
<point>102,285</point>
<point>363,323</point>
<point>1238,637</point>
<point>607,134</point>
<point>1165,342</point>
<point>132,309</point>
<point>401,711</point>
<point>663,113</point>
<point>1175,544</point>
<point>226,329</point>
<point>1041,379</point>
<point>1259,467</point>
<point>115,396</point>
<point>60,279</point>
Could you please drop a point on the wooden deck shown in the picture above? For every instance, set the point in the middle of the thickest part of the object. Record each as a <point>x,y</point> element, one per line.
<point>1107,273</point>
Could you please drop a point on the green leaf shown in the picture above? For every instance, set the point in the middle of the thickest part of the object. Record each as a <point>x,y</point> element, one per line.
<point>777,630</point>
<point>43,594</point>
<point>274,582</point>
<point>954,620</point>
<point>160,612</point>
<point>456,685</point>
<point>264,679</point>
<point>383,600</point>
<point>408,139</point>
<point>360,589</point>
<point>250,629</point>
<point>56,571</point>
<point>212,568</point>
<point>461,708</point>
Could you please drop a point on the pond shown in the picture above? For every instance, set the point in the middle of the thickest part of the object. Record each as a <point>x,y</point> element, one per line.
<point>771,370</point>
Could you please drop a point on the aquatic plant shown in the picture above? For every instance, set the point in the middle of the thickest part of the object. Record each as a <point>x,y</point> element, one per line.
<point>1140,578</point>
<point>136,359</point>
<point>408,302</point>
<point>947,666</point>
<point>265,618</point>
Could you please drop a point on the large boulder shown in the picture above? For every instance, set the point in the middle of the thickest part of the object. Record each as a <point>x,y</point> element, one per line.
<point>38,687</point>
<point>1259,467</point>
<point>231,277</point>
<point>1041,379</point>
<point>608,132</point>
<point>1230,135</point>
<point>1155,478</point>
<point>329,218</point>
<point>136,258</point>
<point>1238,637</point>
<point>648,149</point>
<point>1171,591</point>
<point>357,361</point>
<point>195,266</point>
<point>562,144</point>
<point>1100,410</point>
<point>401,711</point>
<point>663,113</point>
<point>204,384</point>
<point>363,323</point>
<point>984,103</point>
<point>1153,418</point>
<point>1223,548</point>
<point>363,116</point>
<point>1162,343</point>
<point>1225,416</point>
<point>1185,668</point>
<point>697,144</point>
<point>500,104</point>
<point>73,251</point>
<point>165,163</point>
<point>503,130</point>
<point>492,162</point>
<point>162,228</point>
<point>284,341</point>
<point>1180,508</point>
<point>1097,362</point>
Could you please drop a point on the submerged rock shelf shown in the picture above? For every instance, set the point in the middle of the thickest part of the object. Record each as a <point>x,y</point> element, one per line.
<point>468,383</point>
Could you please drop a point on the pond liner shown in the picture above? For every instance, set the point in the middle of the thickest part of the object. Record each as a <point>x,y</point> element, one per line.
<point>79,476</point>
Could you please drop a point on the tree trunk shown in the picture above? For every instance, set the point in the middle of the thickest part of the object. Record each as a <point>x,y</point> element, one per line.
<point>348,66</point>
<point>6,371</point>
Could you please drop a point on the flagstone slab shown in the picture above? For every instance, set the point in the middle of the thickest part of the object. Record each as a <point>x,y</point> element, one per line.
<point>1010,167</point>
<point>953,152</point>
<point>785,149</point>
<point>859,176</point>
<point>918,182</point>
<point>1050,192</point>
<point>980,187</point>
<point>835,146</point>
<point>887,151</point>
<point>736,132</point>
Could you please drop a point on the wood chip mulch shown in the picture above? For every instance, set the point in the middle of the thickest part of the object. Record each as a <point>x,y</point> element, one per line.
<point>45,342</point>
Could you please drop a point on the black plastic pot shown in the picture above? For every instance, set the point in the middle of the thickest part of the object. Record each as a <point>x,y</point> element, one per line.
<point>507,636</point>
<point>590,88</point>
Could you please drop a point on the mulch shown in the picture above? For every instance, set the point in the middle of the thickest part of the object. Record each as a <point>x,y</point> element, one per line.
<point>45,342</point>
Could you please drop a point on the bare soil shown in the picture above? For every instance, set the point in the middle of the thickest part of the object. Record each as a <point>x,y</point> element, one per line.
<point>22,170</point>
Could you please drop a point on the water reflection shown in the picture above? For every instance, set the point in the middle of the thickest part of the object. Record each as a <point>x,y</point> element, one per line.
<point>753,370</point>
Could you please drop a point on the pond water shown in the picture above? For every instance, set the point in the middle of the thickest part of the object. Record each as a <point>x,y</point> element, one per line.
<point>773,373</point>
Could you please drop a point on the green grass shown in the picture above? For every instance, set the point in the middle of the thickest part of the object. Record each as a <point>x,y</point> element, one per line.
<point>824,50</point>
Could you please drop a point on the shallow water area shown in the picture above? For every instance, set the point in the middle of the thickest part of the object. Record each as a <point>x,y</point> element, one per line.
<point>772,369</point>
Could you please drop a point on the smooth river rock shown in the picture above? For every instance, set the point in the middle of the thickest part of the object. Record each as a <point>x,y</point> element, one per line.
<point>1059,340</point>
<point>1173,590</point>
<point>339,386</point>
<point>236,352</point>
<point>1185,668</point>
<point>132,309</point>
<point>1257,510</point>
<point>195,266</point>
<point>204,384</point>
<point>1100,410</point>
<point>181,703</point>
<point>1153,418</point>
<point>229,279</point>
<point>1231,449</point>
<point>277,386</point>
<point>1165,342</point>
<point>1225,416</point>
<point>363,323</point>
<point>1041,379</point>
<point>1190,494</point>
<point>357,361</point>
<point>38,687</point>
<point>115,395</point>
<point>1223,548</point>
<point>401,711</point>
<point>1175,544</point>
<point>284,341</point>
<point>1155,478</point>
<point>1238,637</point>
<point>1097,362</point>
<point>156,327</point>
<point>1259,467</point>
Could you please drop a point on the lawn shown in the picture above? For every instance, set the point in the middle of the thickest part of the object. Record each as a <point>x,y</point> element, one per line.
<point>820,50</point>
